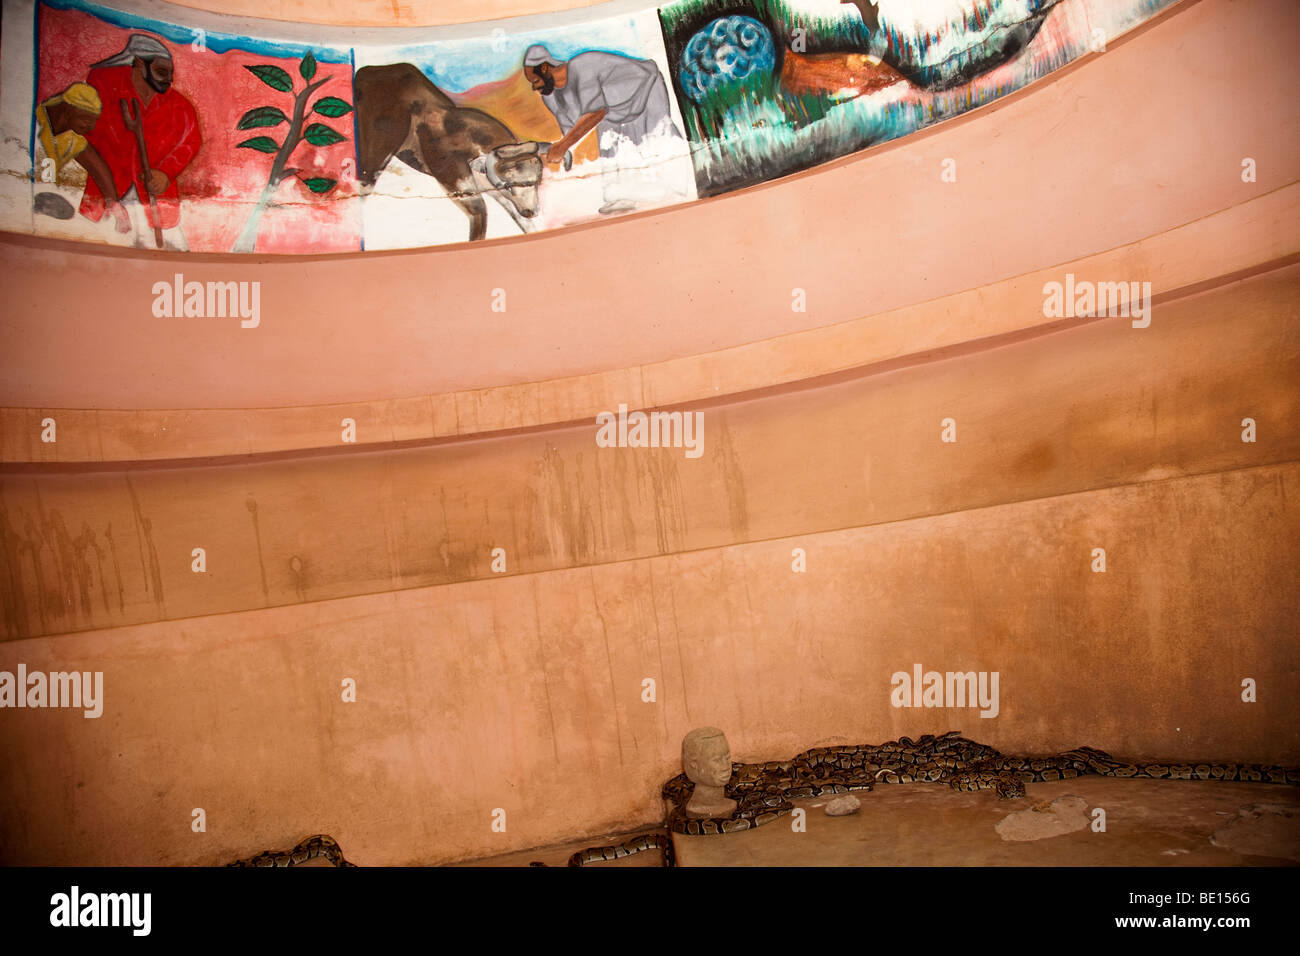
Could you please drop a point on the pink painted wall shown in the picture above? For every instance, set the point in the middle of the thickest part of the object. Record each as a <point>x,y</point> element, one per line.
<point>523,691</point>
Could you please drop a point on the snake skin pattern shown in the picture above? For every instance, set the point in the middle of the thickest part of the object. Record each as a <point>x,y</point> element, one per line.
<point>646,841</point>
<point>310,848</point>
<point>763,791</point>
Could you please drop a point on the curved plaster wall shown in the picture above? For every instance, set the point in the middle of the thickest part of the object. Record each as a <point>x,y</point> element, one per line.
<point>523,690</point>
<point>601,303</point>
<point>482,688</point>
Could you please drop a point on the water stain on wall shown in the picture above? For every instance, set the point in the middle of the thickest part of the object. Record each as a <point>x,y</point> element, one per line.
<point>62,571</point>
<point>13,603</point>
<point>733,475</point>
<point>78,553</point>
<point>1035,460</point>
<point>117,568</point>
<point>458,563</point>
<point>150,570</point>
<point>299,579</point>
<point>251,505</point>
<point>660,470</point>
<point>626,516</point>
<point>559,509</point>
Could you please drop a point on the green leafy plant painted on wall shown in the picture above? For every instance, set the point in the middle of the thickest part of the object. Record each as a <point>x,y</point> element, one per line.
<point>317,134</point>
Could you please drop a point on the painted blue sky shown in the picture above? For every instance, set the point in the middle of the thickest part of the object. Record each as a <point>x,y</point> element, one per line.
<point>454,65</point>
<point>217,42</point>
<point>458,65</point>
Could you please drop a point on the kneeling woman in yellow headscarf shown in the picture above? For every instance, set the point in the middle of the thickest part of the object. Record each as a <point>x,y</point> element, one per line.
<point>62,123</point>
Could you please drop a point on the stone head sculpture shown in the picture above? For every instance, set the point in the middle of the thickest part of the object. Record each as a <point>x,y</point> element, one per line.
<point>706,758</point>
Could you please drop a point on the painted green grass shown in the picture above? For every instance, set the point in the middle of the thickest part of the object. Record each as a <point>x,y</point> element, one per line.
<point>756,131</point>
<point>742,133</point>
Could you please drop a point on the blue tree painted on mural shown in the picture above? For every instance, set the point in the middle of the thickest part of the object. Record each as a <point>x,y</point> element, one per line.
<point>317,134</point>
<point>727,52</point>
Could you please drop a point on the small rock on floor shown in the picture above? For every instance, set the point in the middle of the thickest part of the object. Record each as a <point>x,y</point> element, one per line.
<point>1063,815</point>
<point>1263,829</point>
<point>843,806</point>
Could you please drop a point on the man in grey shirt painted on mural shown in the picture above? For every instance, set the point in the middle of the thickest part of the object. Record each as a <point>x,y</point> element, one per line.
<point>624,99</point>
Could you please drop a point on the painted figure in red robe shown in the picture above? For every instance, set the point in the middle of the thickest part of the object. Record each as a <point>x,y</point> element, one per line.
<point>141,77</point>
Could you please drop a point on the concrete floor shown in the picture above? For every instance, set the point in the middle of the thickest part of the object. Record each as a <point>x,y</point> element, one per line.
<point>1148,823</point>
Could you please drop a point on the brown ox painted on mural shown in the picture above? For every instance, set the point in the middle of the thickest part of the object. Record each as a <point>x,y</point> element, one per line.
<point>400,112</point>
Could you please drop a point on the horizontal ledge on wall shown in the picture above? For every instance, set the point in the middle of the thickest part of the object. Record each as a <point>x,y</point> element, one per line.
<point>1148,484</point>
<point>1095,406</point>
<point>1174,262</point>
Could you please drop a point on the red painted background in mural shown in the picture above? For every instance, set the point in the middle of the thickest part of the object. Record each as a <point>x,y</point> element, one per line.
<point>229,179</point>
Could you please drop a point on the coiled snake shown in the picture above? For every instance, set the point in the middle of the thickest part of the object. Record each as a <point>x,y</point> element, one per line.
<point>763,791</point>
<point>310,848</point>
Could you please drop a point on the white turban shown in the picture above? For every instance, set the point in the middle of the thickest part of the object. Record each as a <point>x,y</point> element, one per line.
<point>139,45</point>
<point>538,54</point>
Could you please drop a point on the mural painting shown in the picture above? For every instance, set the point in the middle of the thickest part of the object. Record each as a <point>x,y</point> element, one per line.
<point>299,131</point>
<point>518,132</point>
<point>771,87</point>
<point>166,160</point>
<point>469,153</point>
<point>170,136</point>
<point>134,151</point>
